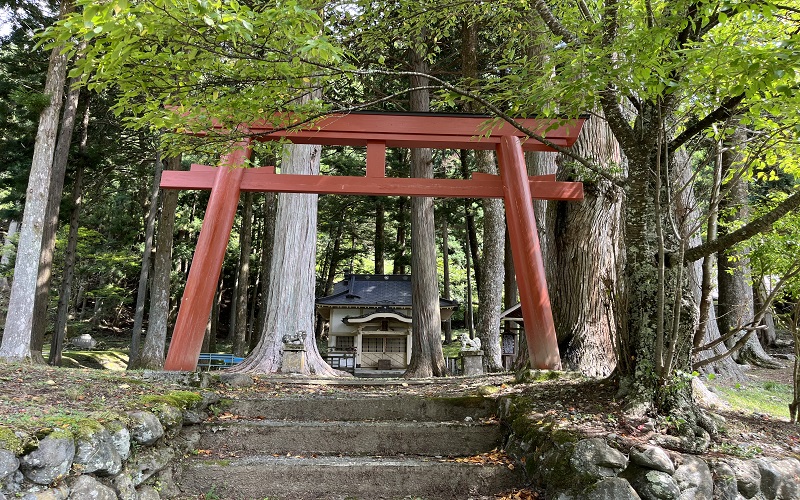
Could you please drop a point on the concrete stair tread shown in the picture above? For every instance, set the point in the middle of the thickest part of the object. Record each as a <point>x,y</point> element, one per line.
<point>321,407</point>
<point>332,477</point>
<point>354,438</point>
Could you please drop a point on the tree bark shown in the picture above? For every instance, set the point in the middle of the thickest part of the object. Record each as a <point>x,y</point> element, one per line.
<point>490,294</point>
<point>380,236</point>
<point>584,258</point>
<point>290,303</point>
<point>62,312</point>
<point>735,310</point>
<point>245,242</point>
<point>267,246</point>
<point>447,326</point>
<point>55,191</point>
<point>400,259</point>
<point>144,273</point>
<point>426,351</point>
<point>7,251</point>
<point>767,335</point>
<point>17,334</point>
<point>153,350</point>
<point>469,318</point>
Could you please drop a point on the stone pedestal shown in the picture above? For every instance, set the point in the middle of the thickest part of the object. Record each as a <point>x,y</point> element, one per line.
<point>472,362</point>
<point>294,359</point>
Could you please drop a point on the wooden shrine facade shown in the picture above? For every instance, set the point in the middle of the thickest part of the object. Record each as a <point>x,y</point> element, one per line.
<point>377,131</point>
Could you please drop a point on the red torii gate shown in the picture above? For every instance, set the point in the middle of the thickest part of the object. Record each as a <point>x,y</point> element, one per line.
<point>377,131</point>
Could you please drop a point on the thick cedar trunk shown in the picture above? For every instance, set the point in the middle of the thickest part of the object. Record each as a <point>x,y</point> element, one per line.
<point>490,293</point>
<point>489,270</point>
<point>144,272</point>
<point>55,191</point>
<point>290,303</point>
<point>267,246</point>
<point>153,350</point>
<point>62,312</point>
<point>735,311</point>
<point>17,334</point>
<point>426,352</point>
<point>584,254</point>
<point>380,236</point>
<point>447,326</point>
<point>245,244</point>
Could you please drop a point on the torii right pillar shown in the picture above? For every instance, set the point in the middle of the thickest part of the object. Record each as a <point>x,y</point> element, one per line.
<point>537,314</point>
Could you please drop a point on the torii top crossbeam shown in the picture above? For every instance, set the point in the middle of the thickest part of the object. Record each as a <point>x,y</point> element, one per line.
<point>377,131</point>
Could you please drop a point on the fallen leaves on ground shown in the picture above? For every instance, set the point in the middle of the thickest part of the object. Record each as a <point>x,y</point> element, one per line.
<point>494,457</point>
<point>520,495</point>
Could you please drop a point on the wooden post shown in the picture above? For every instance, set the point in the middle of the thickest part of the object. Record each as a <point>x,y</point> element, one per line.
<point>187,339</point>
<point>527,255</point>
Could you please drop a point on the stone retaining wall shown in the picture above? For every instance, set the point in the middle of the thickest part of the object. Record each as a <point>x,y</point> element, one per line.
<point>569,466</point>
<point>128,458</point>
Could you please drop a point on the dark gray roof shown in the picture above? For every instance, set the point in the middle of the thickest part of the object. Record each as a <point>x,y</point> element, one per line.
<point>374,290</point>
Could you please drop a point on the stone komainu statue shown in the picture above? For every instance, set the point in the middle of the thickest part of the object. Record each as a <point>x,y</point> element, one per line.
<point>297,338</point>
<point>468,344</point>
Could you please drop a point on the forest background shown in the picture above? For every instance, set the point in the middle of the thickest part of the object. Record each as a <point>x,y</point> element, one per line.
<point>689,161</point>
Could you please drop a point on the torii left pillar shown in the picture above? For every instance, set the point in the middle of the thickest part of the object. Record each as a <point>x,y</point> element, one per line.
<point>207,261</point>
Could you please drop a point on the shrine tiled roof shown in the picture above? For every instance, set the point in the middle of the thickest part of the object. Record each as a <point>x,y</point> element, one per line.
<point>374,290</point>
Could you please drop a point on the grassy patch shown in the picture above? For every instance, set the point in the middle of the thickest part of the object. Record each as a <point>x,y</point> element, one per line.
<point>765,397</point>
<point>36,397</point>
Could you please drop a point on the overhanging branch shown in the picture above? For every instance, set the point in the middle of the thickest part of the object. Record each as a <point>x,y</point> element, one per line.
<point>759,225</point>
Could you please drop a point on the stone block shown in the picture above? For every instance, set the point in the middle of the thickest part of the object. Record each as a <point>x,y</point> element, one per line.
<point>294,359</point>
<point>473,362</point>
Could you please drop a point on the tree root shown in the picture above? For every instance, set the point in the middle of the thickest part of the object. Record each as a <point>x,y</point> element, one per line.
<point>757,357</point>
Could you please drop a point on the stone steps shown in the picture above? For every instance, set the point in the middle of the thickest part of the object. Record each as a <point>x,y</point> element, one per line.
<point>359,409</point>
<point>353,438</point>
<point>354,448</point>
<point>339,478</point>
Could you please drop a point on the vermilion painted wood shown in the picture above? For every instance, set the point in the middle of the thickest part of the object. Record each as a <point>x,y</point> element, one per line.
<point>420,131</point>
<point>187,338</point>
<point>376,159</point>
<point>378,131</point>
<point>480,186</point>
<point>535,301</point>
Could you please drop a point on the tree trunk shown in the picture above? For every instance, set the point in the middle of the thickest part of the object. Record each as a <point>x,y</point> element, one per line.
<point>399,261</point>
<point>290,303</point>
<point>17,334</point>
<point>153,350</point>
<point>490,293</point>
<point>380,236</point>
<point>469,322</point>
<point>767,335</point>
<point>7,251</point>
<point>472,235</point>
<point>426,350</point>
<point>510,298</point>
<point>245,243</point>
<point>55,191</point>
<point>267,246</point>
<point>144,273</point>
<point>733,277</point>
<point>447,326</point>
<point>62,312</point>
<point>583,260</point>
